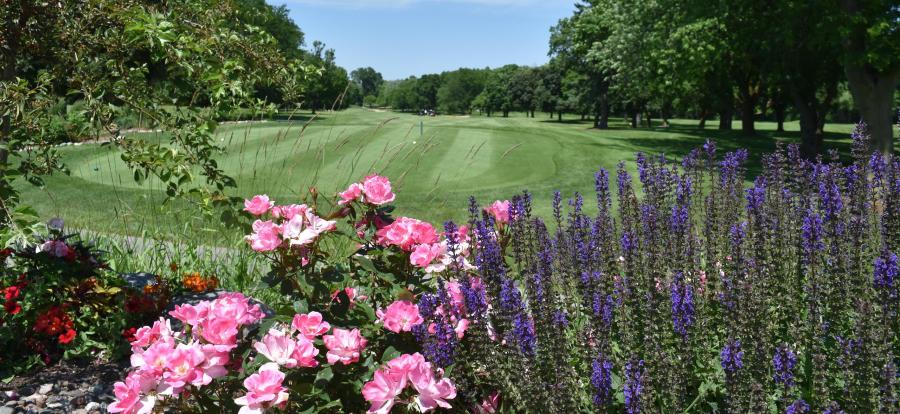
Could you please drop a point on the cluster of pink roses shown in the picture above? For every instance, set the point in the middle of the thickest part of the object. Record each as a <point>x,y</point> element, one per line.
<point>294,225</point>
<point>295,349</point>
<point>166,362</point>
<point>389,382</point>
<point>374,189</point>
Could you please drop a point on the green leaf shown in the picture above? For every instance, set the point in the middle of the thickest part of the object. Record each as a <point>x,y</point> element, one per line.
<point>389,354</point>
<point>323,377</point>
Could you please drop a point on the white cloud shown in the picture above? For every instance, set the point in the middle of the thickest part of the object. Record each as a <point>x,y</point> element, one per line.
<point>393,4</point>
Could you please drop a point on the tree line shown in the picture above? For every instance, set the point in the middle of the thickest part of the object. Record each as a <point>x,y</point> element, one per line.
<point>747,60</point>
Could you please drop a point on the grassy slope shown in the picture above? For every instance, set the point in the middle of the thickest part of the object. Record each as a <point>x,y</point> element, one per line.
<point>489,158</point>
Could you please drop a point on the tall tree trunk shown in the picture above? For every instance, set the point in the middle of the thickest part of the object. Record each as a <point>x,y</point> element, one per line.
<point>873,94</point>
<point>559,116</point>
<point>649,120</point>
<point>604,113</point>
<point>725,117</point>
<point>872,90</point>
<point>811,136</point>
<point>634,118</point>
<point>812,117</point>
<point>703,115</point>
<point>779,115</point>
<point>748,109</point>
<point>532,113</point>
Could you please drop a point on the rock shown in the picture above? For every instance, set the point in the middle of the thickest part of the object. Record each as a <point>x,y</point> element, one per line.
<point>138,280</point>
<point>97,390</point>
<point>45,389</point>
<point>36,399</point>
<point>6,410</point>
<point>11,395</point>
<point>92,406</point>
<point>80,411</point>
<point>77,398</point>
<point>11,403</point>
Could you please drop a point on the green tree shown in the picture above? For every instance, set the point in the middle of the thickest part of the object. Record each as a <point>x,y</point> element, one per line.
<point>459,88</point>
<point>127,55</point>
<point>427,90</point>
<point>328,88</point>
<point>368,80</point>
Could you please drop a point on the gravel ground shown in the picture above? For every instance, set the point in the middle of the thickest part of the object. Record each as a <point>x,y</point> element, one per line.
<point>62,388</point>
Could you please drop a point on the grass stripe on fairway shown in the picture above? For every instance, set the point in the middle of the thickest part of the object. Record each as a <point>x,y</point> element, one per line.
<point>434,173</point>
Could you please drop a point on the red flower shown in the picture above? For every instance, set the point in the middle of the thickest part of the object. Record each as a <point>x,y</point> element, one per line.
<point>12,292</point>
<point>53,322</point>
<point>12,307</point>
<point>67,337</point>
<point>128,334</point>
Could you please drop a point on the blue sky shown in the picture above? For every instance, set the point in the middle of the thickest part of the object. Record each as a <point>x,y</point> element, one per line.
<point>400,38</point>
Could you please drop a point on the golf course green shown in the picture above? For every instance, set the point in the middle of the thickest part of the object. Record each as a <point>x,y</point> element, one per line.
<point>435,163</point>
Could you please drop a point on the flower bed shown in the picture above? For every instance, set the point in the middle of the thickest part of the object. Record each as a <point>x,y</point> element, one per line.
<point>781,297</point>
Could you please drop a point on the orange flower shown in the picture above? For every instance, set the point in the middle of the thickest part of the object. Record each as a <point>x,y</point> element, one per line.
<point>197,283</point>
<point>173,266</point>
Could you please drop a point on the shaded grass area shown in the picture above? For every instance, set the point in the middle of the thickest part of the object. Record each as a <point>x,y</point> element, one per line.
<point>434,162</point>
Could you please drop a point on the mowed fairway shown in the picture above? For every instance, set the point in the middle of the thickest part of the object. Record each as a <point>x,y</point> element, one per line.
<point>434,172</point>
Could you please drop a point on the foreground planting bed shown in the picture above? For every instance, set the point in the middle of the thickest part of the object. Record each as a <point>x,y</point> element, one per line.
<point>691,293</point>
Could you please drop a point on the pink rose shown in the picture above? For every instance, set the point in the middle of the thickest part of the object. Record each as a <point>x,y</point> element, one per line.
<point>278,348</point>
<point>147,335</point>
<point>289,211</point>
<point>304,229</point>
<point>264,390</point>
<point>185,367</point>
<point>424,254</point>
<point>401,365</point>
<point>400,316</point>
<point>258,205</point>
<point>189,314</point>
<point>234,305</point>
<point>131,395</point>
<point>460,328</point>
<point>219,331</point>
<point>500,211</point>
<point>305,353</point>
<point>154,359</point>
<point>351,194</point>
<point>310,325</point>
<point>265,236</point>
<point>377,190</point>
<point>382,391</point>
<point>217,357</point>
<point>405,233</point>
<point>432,393</point>
<point>344,346</point>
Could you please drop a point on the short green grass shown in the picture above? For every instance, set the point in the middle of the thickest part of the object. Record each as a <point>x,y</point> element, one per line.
<point>434,171</point>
